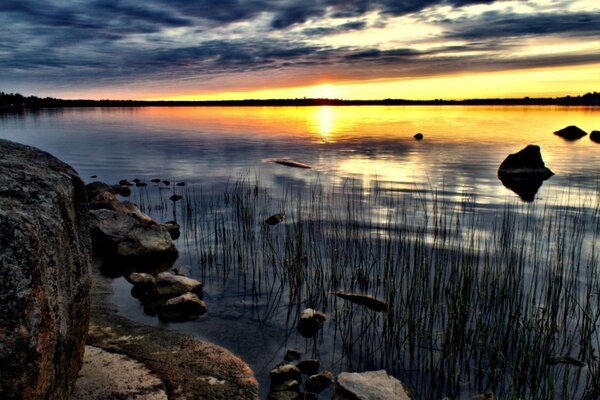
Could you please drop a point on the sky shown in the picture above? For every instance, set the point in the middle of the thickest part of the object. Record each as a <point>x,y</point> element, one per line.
<point>257,49</point>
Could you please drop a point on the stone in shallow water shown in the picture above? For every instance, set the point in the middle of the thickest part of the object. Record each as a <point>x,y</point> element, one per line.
<point>310,322</point>
<point>283,373</point>
<point>171,285</point>
<point>371,385</point>
<point>184,307</point>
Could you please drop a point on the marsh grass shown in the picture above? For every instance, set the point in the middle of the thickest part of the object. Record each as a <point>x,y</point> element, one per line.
<point>479,295</point>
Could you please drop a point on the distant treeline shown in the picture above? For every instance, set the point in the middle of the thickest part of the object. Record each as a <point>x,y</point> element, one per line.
<point>15,101</point>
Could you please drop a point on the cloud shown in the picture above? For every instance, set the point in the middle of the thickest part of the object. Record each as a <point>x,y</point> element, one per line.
<point>495,25</point>
<point>108,42</point>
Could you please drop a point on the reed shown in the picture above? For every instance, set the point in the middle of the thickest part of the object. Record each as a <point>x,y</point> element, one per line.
<point>481,298</point>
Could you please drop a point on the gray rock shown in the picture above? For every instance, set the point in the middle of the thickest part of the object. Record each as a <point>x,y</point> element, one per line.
<point>44,274</point>
<point>117,234</point>
<point>170,285</point>
<point>310,322</point>
<point>173,228</point>
<point>141,279</point>
<point>146,240</point>
<point>184,307</point>
<point>108,200</point>
<point>283,373</point>
<point>319,382</point>
<point>371,385</point>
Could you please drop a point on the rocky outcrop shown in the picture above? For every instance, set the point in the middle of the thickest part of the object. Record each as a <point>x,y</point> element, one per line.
<point>571,133</point>
<point>595,136</point>
<point>524,172</point>
<point>369,385</point>
<point>44,274</point>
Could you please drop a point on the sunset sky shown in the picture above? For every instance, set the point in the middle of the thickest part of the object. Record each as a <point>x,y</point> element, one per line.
<point>236,49</point>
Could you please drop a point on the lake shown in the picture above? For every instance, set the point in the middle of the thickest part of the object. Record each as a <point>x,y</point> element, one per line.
<point>485,290</point>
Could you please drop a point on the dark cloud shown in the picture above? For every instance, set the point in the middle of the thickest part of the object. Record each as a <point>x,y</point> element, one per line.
<point>124,42</point>
<point>495,25</point>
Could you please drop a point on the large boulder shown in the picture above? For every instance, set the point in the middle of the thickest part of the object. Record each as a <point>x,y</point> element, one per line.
<point>44,274</point>
<point>372,385</point>
<point>524,172</point>
<point>571,132</point>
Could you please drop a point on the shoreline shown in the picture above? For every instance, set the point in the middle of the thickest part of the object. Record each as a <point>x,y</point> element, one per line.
<point>187,366</point>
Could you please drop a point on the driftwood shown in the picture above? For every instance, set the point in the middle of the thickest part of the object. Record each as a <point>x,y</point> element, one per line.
<point>364,300</point>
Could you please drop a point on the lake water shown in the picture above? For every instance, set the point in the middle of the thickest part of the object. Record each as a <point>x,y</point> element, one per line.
<point>366,169</point>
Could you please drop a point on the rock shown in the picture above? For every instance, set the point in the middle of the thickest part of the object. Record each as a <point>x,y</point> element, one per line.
<point>319,382</point>
<point>526,162</point>
<point>106,375</point>
<point>292,355</point>
<point>123,190</point>
<point>286,395</point>
<point>180,183</point>
<point>170,285</point>
<point>372,385</point>
<point>108,201</point>
<point>370,302</point>
<point>283,373</point>
<point>595,136</point>
<point>125,182</point>
<point>523,172</point>
<point>571,133</point>
<point>44,274</point>
<point>275,219</point>
<point>141,184</point>
<point>175,198</point>
<point>146,240</point>
<point>142,279</point>
<point>96,188</point>
<point>291,385</point>
<point>166,183</point>
<point>155,180</point>
<point>309,367</point>
<point>310,322</point>
<point>119,235</point>
<point>184,307</point>
<point>418,136</point>
<point>173,229</point>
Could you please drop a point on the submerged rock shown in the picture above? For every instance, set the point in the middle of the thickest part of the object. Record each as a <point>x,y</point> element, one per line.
<point>45,274</point>
<point>369,385</point>
<point>571,133</point>
<point>418,136</point>
<point>370,302</point>
<point>292,355</point>
<point>310,322</point>
<point>275,219</point>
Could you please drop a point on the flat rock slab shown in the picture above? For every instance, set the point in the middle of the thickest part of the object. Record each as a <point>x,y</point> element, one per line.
<point>107,375</point>
<point>371,385</point>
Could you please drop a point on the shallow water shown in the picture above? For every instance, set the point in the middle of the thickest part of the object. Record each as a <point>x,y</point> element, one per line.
<point>366,152</point>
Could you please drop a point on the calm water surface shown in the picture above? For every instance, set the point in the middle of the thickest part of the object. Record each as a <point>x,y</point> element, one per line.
<point>370,149</point>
